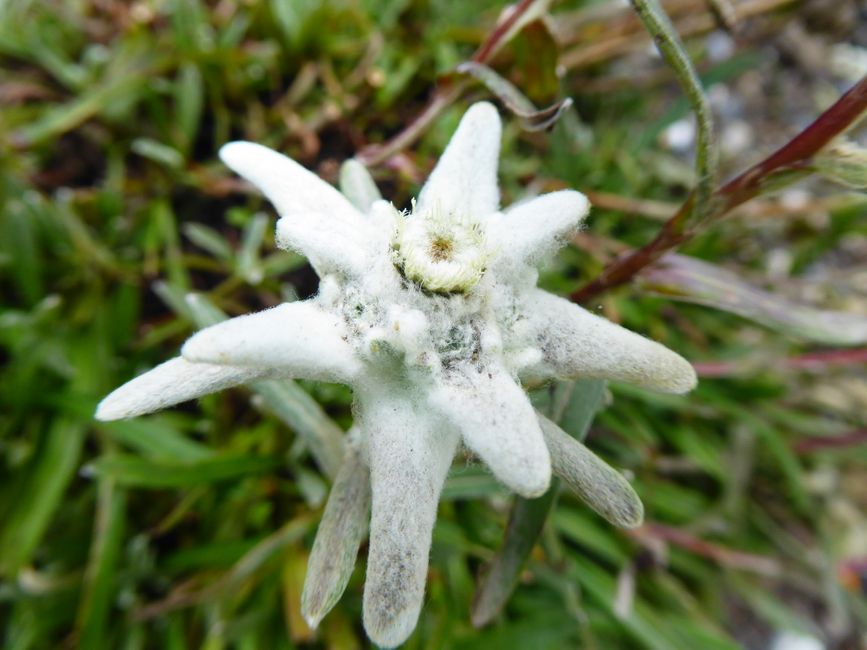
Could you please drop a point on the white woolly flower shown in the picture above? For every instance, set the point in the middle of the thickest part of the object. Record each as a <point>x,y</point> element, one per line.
<point>441,251</point>
<point>433,318</point>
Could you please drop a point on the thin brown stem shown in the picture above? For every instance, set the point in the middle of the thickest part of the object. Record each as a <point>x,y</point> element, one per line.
<point>725,556</point>
<point>492,43</point>
<point>444,95</point>
<point>809,362</point>
<point>800,150</point>
<point>377,154</point>
<point>725,13</point>
<point>795,156</point>
<point>822,443</point>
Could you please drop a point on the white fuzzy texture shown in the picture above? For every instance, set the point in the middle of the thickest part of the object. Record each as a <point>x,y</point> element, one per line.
<point>298,338</point>
<point>498,424</point>
<point>464,181</point>
<point>291,188</point>
<point>530,231</point>
<point>171,383</point>
<point>600,486</point>
<point>410,455</point>
<point>440,252</point>
<point>575,343</point>
<point>430,317</point>
<point>330,244</point>
<point>408,331</point>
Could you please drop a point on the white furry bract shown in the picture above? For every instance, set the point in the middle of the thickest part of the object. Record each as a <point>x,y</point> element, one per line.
<point>431,317</point>
<point>298,339</point>
<point>172,382</point>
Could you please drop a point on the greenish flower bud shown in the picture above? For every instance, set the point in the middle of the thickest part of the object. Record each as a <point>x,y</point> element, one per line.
<point>844,162</point>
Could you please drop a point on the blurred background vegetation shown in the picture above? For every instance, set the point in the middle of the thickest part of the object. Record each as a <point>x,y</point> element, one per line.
<point>191,528</point>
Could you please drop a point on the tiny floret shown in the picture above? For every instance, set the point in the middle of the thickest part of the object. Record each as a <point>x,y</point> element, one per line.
<point>442,252</point>
<point>433,318</point>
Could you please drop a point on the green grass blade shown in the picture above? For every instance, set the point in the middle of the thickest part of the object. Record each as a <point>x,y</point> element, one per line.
<point>54,468</point>
<point>134,471</point>
<point>101,578</point>
<point>578,403</point>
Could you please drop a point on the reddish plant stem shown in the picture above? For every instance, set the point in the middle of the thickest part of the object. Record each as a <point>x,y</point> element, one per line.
<point>828,358</point>
<point>798,152</point>
<point>819,443</point>
<point>376,154</point>
<point>793,156</point>
<point>724,556</point>
<point>447,92</point>
<point>489,47</point>
<point>819,361</point>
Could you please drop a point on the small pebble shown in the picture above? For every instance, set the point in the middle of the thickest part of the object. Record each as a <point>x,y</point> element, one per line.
<point>796,641</point>
<point>680,135</point>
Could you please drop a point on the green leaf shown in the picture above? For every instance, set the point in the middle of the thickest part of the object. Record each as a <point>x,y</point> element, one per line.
<point>157,439</point>
<point>207,556</point>
<point>580,527</point>
<point>340,534</point>
<point>596,483</point>
<point>537,55</point>
<point>101,578</point>
<point>53,469</point>
<point>21,248</point>
<point>134,471</point>
<point>165,230</point>
<point>576,405</point>
<point>498,580</point>
<point>580,400</point>
<point>292,18</point>
<point>190,25</point>
<point>249,266</point>
<point>208,239</point>
<point>245,569</point>
<point>199,309</point>
<point>691,280</point>
<point>189,100</point>
<point>158,152</point>
<point>358,186</point>
<point>472,482</point>
<point>532,119</point>
<point>123,83</point>
<point>291,404</point>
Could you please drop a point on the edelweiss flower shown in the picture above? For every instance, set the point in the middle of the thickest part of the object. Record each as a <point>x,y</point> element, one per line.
<point>433,318</point>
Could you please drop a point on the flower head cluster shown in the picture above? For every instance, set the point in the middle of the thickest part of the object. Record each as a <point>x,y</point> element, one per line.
<point>433,318</point>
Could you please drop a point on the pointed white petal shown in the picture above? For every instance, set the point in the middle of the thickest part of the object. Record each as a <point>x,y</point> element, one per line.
<point>298,338</point>
<point>593,480</point>
<point>170,383</point>
<point>288,185</point>
<point>498,423</point>
<point>328,243</point>
<point>340,533</point>
<point>410,455</point>
<point>464,181</point>
<point>358,185</point>
<point>530,231</point>
<point>576,343</point>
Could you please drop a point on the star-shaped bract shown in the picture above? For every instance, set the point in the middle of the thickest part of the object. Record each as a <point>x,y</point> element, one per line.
<point>433,318</point>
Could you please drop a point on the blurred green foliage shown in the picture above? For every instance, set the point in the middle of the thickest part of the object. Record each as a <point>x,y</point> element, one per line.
<point>190,528</point>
